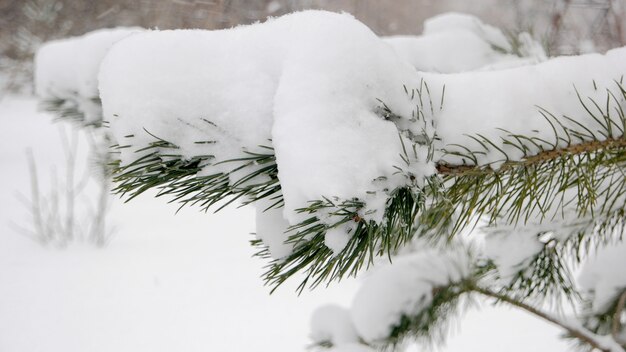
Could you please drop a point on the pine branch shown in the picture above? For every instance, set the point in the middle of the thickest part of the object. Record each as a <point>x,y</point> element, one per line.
<point>431,323</point>
<point>585,148</point>
<point>577,176</point>
<point>573,190</point>
<point>546,276</point>
<point>368,240</point>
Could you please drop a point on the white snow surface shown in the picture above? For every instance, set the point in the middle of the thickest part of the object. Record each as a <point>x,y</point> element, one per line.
<point>67,69</point>
<point>166,282</point>
<point>603,276</point>
<point>404,288</point>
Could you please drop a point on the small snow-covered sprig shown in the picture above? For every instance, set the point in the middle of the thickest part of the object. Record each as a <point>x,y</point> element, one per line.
<point>368,239</point>
<point>160,166</point>
<point>413,298</point>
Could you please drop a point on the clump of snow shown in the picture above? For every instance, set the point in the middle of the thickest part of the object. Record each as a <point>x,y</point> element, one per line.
<point>337,238</point>
<point>332,323</point>
<point>404,289</point>
<point>271,228</point>
<point>67,69</point>
<point>603,276</point>
<point>328,136</point>
<point>512,252</point>
<point>297,82</point>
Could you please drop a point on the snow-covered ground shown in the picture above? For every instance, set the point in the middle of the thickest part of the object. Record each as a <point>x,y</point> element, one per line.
<point>167,282</point>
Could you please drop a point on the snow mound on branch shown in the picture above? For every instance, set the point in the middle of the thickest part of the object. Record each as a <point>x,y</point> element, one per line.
<point>327,132</point>
<point>67,69</point>
<point>603,277</point>
<point>404,289</point>
<point>483,102</point>
<point>455,42</point>
<point>332,323</point>
<point>310,84</point>
<point>316,87</point>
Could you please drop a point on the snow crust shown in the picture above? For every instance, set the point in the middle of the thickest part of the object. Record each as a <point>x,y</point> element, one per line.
<point>67,69</point>
<point>404,288</point>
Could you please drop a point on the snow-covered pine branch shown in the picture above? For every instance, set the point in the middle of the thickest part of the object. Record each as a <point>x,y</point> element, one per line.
<point>352,153</point>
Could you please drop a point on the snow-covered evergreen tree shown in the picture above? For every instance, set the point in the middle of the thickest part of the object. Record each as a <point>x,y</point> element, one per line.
<point>457,164</point>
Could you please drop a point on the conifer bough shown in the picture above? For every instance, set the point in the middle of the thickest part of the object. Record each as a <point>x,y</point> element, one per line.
<point>353,155</point>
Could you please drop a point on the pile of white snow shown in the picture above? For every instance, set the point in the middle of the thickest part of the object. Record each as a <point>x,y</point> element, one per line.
<point>310,84</point>
<point>67,69</point>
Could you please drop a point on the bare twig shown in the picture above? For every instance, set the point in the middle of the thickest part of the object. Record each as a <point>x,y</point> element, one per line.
<point>575,331</point>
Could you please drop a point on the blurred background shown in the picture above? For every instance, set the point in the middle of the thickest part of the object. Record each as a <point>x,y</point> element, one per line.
<point>563,26</point>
